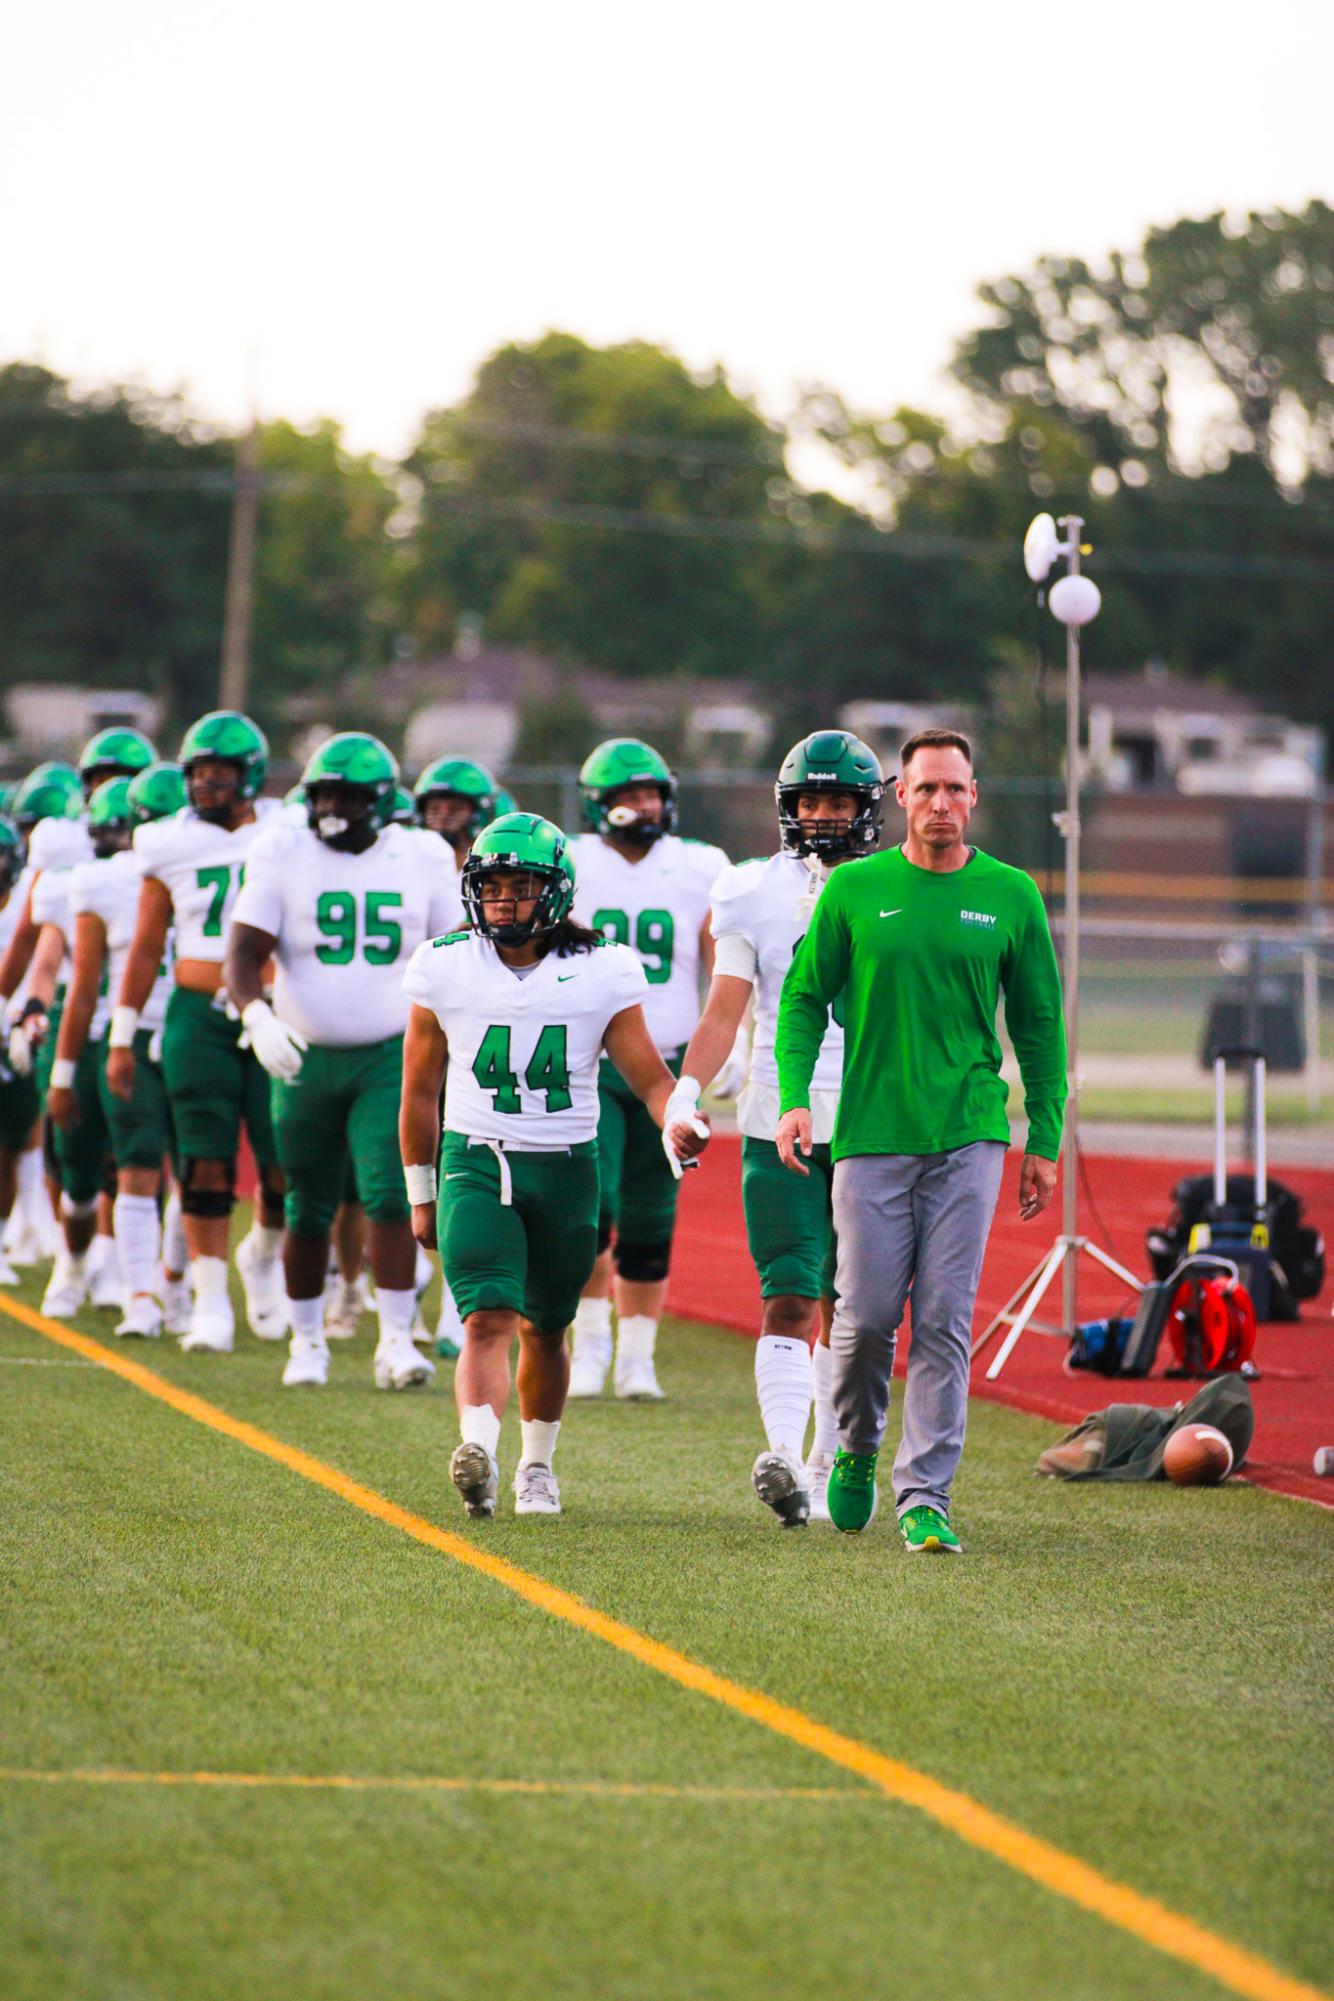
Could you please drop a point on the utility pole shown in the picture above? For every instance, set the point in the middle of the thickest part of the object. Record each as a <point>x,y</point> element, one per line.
<point>236,622</point>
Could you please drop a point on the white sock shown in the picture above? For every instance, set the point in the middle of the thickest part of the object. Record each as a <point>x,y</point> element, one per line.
<point>635,1336</point>
<point>137,1234</point>
<point>783,1383</point>
<point>208,1280</point>
<point>826,1424</point>
<point>101,1255</point>
<point>397,1311</point>
<point>175,1256</point>
<point>306,1318</point>
<point>421,1271</point>
<point>450,1325</point>
<point>480,1426</point>
<point>592,1324</point>
<point>266,1241</point>
<point>32,1187</point>
<point>539,1441</point>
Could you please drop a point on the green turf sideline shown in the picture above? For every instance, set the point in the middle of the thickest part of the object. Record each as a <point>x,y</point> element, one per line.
<point>1146,1918</point>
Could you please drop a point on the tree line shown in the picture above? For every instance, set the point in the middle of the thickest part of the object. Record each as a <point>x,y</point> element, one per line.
<point>609,508</point>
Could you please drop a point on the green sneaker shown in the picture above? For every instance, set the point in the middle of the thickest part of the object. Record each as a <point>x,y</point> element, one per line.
<point>851,1493</point>
<point>926,1528</point>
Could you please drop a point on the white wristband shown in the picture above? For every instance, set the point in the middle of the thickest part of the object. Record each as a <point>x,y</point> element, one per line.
<point>62,1074</point>
<point>421,1185</point>
<point>124,1027</point>
<point>687,1087</point>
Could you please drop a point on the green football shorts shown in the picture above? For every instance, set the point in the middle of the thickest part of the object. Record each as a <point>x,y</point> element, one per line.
<point>19,1106</point>
<point>83,1150</point>
<point>532,1256</point>
<point>638,1187</point>
<point>341,1112</point>
<point>213,1083</point>
<point>789,1221</point>
<point>140,1128</point>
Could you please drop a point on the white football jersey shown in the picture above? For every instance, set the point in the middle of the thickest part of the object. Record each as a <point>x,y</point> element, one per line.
<point>767,904</point>
<point>50,905</point>
<point>109,889</point>
<point>59,844</point>
<point>658,906</point>
<point>202,868</point>
<point>523,1051</point>
<point>9,921</point>
<point>346,926</point>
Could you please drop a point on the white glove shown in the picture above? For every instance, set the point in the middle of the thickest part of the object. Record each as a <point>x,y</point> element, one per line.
<point>278,1047</point>
<point>682,1109</point>
<point>731,1079</point>
<point>24,1037</point>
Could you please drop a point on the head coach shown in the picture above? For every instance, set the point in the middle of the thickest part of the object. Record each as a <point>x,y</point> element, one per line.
<point>912,948</point>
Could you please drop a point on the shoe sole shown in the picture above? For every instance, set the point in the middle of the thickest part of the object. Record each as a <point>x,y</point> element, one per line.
<point>641,1396</point>
<point>935,1545</point>
<point>777,1486</point>
<point>535,1509</point>
<point>468,1463</point>
<point>417,1379</point>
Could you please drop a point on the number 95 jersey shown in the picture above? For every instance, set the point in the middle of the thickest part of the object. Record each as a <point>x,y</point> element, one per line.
<point>523,1050</point>
<point>346,925</point>
<point>657,906</point>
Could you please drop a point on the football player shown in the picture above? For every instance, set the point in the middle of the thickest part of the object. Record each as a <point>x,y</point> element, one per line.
<point>340,905</point>
<point>641,886</point>
<point>19,1104</point>
<point>455,798</point>
<point>103,903</point>
<point>830,791</point>
<point>191,867</point>
<point>521,1008</point>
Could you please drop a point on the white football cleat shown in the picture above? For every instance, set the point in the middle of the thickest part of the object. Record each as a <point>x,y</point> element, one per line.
<point>307,1365</point>
<point>535,1491</point>
<point>344,1303</point>
<point>21,1242</point>
<point>265,1291</point>
<point>477,1476</point>
<point>175,1296</point>
<point>588,1367</point>
<point>818,1468</point>
<point>67,1287</point>
<point>636,1380</point>
<point>212,1329</point>
<point>399,1365</point>
<point>8,1275</point>
<point>780,1482</point>
<point>143,1316</point>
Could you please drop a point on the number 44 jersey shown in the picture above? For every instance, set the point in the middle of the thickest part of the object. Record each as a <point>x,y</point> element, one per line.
<point>523,1046</point>
<point>346,925</point>
<point>658,906</point>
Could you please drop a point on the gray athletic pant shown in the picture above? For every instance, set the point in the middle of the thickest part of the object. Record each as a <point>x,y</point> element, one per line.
<point>910,1222</point>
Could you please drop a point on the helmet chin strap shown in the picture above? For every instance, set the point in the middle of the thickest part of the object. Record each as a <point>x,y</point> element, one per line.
<point>351,836</point>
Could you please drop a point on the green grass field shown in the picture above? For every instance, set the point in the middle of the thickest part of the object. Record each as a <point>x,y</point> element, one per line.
<point>1142,1677</point>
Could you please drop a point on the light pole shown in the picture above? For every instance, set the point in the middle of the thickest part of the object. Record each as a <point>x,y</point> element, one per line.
<point>1075,601</point>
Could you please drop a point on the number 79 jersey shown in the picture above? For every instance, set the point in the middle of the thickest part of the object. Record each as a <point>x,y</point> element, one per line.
<point>523,1051</point>
<point>658,906</point>
<point>346,926</point>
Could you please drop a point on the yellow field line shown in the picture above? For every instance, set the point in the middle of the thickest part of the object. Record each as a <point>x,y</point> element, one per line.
<point>1065,1875</point>
<point>356,1782</point>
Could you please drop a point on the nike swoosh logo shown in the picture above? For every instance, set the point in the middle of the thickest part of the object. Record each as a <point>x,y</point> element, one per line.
<point>893,913</point>
<point>562,977</point>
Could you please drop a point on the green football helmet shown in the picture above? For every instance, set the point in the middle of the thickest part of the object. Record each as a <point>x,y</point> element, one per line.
<point>505,802</point>
<point>232,737</point>
<point>295,795</point>
<point>157,793</point>
<point>110,817</point>
<point>364,770</point>
<point>49,792</point>
<point>831,761</point>
<point>13,854</point>
<point>403,810</point>
<point>520,841</point>
<point>458,778</point>
<point>7,791</point>
<point>621,761</point>
<point>113,753</point>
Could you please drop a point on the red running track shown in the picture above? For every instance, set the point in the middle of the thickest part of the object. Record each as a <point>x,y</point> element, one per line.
<point>713,1280</point>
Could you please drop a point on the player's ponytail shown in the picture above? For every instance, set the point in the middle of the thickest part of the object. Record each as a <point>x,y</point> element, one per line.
<point>568,937</point>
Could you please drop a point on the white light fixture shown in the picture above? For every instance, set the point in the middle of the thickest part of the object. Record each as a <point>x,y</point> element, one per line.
<point>1074,600</point>
<point>1042,545</point>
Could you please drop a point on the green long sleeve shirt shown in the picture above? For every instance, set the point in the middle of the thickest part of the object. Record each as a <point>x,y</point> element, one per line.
<point>914,963</point>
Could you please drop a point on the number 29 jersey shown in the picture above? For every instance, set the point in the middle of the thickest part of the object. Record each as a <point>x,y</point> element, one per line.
<point>658,906</point>
<point>523,1050</point>
<point>346,925</point>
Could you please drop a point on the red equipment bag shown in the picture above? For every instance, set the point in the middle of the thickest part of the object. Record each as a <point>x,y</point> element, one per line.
<point>1211,1327</point>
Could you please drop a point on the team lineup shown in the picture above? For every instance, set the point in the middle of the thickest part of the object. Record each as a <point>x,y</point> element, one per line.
<point>447,1026</point>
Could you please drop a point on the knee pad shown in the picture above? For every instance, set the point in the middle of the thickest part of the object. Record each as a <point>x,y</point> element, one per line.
<point>643,1264</point>
<point>78,1211</point>
<point>206,1202</point>
<point>604,1236</point>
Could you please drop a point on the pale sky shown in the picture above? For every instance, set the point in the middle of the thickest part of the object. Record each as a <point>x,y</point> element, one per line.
<point>372,197</point>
